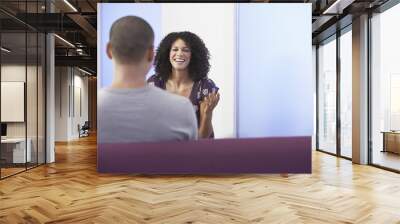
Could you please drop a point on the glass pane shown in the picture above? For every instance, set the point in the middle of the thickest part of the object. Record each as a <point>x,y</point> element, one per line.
<point>327,97</point>
<point>31,100</point>
<point>386,89</point>
<point>33,7</point>
<point>346,93</point>
<point>23,88</point>
<point>13,86</point>
<point>314,59</point>
<point>41,98</point>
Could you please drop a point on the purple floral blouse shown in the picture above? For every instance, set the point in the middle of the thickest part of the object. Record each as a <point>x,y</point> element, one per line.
<point>200,90</point>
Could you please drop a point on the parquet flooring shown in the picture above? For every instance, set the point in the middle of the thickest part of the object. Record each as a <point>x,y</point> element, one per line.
<point>10,171</point>
<point>71,191</point>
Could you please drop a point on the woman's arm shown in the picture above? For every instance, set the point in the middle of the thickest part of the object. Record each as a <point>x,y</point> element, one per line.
<point>206,108</point>
<point>205,127</point>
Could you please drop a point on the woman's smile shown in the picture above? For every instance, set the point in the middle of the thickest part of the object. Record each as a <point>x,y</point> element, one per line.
<point>180,55</point>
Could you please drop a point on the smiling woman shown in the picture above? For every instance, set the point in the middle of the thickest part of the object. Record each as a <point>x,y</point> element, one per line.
<point>182,65</point>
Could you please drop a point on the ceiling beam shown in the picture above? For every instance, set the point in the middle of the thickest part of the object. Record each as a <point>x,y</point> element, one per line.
<point>82,61</point>
<point>84,24</point>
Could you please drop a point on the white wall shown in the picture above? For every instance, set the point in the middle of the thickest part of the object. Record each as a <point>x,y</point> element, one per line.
<point>61,103</point>
<point>79,117</point>
<point>68,82</point>
<point>85,98</point>
<point>217,29</point>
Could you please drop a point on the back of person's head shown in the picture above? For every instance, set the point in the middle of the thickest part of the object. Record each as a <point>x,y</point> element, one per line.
<point>131,38</point>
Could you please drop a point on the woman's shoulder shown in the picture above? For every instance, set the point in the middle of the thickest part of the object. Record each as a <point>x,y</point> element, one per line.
<point>205,86</point>
<point>154,77</point>
<point>209,84</point>
<point>155,80</point>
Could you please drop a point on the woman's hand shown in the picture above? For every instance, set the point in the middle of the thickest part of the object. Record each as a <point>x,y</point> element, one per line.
<point>208,104</point>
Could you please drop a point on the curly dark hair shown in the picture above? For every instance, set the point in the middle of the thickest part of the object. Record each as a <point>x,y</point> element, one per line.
<point>199,65</point>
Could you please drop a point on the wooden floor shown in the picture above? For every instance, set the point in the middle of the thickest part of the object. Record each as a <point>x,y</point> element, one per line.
<point>5,172</point>
<point>71,191</point>
<point>387,159</point>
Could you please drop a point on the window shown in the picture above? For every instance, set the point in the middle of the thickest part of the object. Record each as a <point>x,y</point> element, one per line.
<point>327,97</point>
<point>346,94</point>
<point>385,89</point>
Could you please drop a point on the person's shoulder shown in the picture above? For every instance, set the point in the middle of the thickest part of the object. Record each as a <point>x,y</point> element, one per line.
<point>104,92</point>
<point>153,77</point>
<point>155,80</point>
<point>105,97</point>
<point>208,86</point>
<point>208,83</point>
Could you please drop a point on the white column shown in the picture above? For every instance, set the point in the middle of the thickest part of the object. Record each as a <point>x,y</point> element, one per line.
<point>360,90</point>
<point>50,93</point>
<point>50,100</point>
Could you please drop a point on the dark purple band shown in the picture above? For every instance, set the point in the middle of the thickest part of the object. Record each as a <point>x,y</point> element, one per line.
<point>252,155</point>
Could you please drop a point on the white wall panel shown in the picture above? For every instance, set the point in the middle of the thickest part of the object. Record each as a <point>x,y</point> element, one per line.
<point>275,78</point>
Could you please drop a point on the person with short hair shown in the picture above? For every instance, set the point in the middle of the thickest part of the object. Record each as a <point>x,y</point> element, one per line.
<point>182,65</point>
<point>130,110</point>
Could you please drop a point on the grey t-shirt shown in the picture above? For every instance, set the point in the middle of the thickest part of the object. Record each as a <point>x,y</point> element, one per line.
<point>143,115</point>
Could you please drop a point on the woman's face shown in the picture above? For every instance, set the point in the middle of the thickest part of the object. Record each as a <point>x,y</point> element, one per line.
<point>179,55</point>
